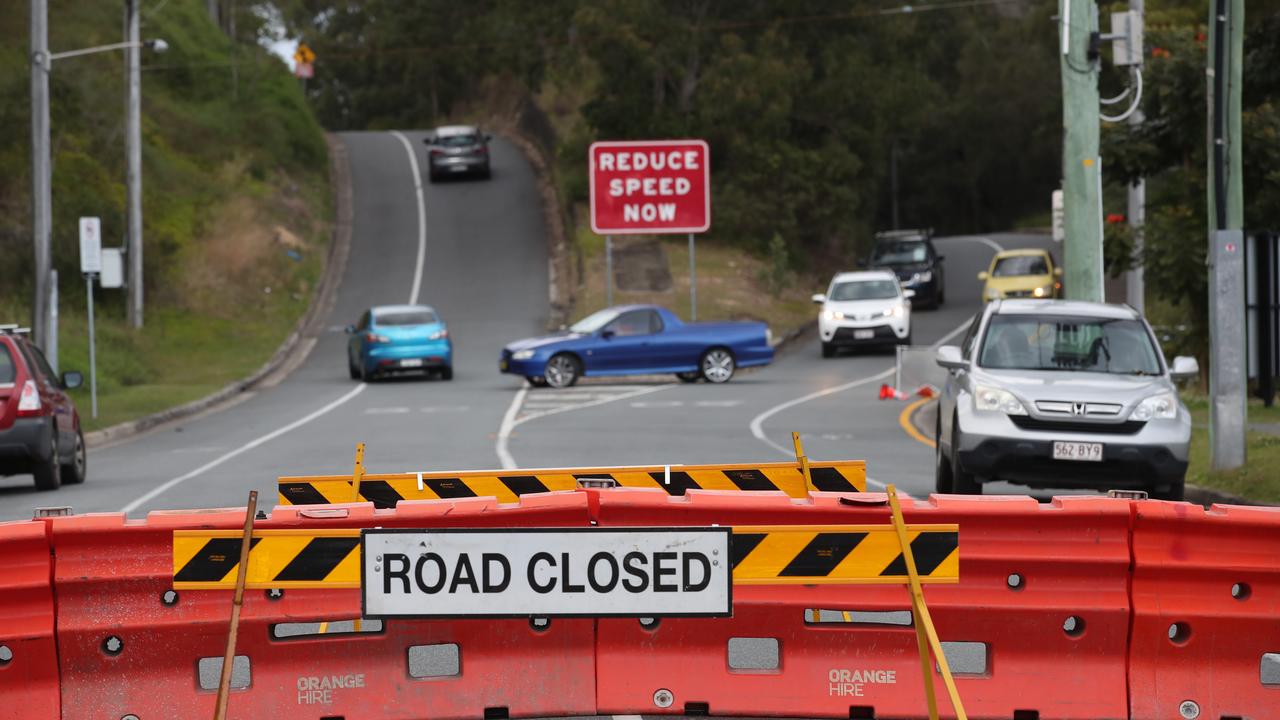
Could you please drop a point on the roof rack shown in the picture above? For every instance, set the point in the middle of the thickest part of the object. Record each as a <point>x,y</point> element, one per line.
<point>14,329</point>
<point>921,232</point>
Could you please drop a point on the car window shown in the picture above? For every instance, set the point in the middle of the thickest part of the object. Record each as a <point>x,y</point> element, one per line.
<point>594,321</point>
<point>900,251</point>
<point>38,357</point>
<point>636,322</point>
<point>406,317</point>
<point>966,345</point>
<point>8,370</point>
<point>864,290</point>
<point>1020,265</point>
<point>457,140</point>
<point>655,322</point>
<point>1081,344</point>
<point>364,322</point>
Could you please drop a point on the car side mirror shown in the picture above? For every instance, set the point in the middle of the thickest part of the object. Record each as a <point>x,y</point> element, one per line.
<point>940,258</point>
<point>72,379</point>
<point>607,334</point>
<point>1057,272</point>
<point>819,299</point>
<point>351,329</point>
<point>1184,368</point>
<point>984,276</point>
<point>488,138</point>
<point>908,294</point>
<point>949,357</point>
<point>428,141</point>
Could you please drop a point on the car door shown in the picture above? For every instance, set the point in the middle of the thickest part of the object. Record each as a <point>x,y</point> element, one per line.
<point>627,344</point>
<point>957,382</point>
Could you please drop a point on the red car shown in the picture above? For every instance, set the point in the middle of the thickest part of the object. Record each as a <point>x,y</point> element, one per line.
<point>39,426</point>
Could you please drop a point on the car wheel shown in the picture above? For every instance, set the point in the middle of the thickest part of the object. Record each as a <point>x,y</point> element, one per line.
<point>828,350</point>
<point>689,377</point>
<point>446,373</point>
<point>352,370</point>
<point>486,173</point>
<point>73,472</point>
<point>562,371</point>
<point>942,296</point>
<point>717,365</point>
<point>1176,490</point>
<point>433,176</point>
<point>366,375</point>
<point>942,480</point>
<point>536,380</point>
<point>962,483</point>
<point>46,473</point>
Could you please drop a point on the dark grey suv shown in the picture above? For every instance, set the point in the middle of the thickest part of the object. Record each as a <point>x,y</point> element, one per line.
<point>458,150</point>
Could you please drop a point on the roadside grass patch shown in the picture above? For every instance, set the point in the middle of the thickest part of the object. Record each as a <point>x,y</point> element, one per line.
<point>1259,479</point>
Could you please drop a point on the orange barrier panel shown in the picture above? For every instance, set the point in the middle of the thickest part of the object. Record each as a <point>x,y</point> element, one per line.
<point>1206,611</point>
<point>1036,628</point>
<point>132,647</point>
<point>28,655</point>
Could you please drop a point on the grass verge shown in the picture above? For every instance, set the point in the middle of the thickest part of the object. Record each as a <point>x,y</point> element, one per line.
<point>1259,478</point>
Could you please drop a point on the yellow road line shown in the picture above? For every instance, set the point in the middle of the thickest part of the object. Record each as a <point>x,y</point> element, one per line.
<point>909,427</point>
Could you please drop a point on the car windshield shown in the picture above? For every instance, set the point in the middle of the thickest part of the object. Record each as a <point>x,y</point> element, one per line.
<point>898,252</point>
<point>864,290</point>
<point>406,317</point>
<point>7,371</point>
<point>457,140</point>
<point>594,321</point>
<point>1015,265</point>
<point>1027,342</point>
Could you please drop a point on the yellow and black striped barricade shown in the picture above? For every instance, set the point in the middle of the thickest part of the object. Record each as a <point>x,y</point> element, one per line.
<point>829,554</point>
<point>385,490</point>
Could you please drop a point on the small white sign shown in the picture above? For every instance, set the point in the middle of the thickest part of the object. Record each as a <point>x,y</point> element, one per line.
<point>584,572</point>
<point>112,273</point>
<point>90,245</point>
<point>1059,218</point>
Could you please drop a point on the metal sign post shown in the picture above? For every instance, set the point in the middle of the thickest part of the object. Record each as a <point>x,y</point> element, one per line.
<point>693,284</point>
<point>90,266</point>
<point>608,271</point>
<point>93,364</point>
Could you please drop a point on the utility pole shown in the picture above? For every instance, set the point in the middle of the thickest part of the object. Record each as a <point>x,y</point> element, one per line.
<point>41,215</point>
<point>1227,381</point>
<point>133,155</point>
<point>1081,164</point>
<point>1135,283</point>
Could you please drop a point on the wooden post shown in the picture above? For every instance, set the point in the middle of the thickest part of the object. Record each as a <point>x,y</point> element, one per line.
<point>228,658</point>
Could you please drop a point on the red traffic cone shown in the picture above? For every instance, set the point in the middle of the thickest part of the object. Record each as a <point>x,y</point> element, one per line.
<point>887,393</point>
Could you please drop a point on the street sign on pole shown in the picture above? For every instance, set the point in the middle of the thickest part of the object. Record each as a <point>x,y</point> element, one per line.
<point>650,187</point>
<point>90,245</point>
<point>1059,231</point>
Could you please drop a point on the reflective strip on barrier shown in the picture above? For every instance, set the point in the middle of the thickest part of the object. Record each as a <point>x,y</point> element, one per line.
<point>28,654</point>
<point>1206,611</point>
<point>777,555</point>
<point>1037,626</point>
<point>385,490</point>
<point>842,554</point>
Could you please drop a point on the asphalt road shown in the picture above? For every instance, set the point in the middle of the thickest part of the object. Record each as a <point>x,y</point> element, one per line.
<point>477,252</point>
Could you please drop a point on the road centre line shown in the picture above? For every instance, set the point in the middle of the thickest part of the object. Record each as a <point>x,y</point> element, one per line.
<point>510,420</point>
<point>757,423</point>
<point>422,217</point>
<point>161,489</point>
<point>904,419</point>
<point>413,299</point>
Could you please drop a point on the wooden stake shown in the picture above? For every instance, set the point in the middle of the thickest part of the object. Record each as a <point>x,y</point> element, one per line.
<point>228,658</point>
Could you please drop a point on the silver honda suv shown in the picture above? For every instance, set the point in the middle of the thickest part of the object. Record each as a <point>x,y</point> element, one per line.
<point>1062,394</point>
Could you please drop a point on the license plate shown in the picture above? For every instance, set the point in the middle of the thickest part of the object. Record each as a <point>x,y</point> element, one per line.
<point>502,364</point>
<point>458,168</point>
<point>412,362</point>
<point>1087,452</point>
<point>863,334</point>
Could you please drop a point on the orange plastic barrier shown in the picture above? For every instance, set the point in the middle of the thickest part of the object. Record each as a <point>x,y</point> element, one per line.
<point>28,655</point>
<point>1036,628</point>
<point>130,647</point>
<point>1206,611</point>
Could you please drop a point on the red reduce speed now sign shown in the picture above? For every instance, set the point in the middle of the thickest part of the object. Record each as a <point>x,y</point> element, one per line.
<point>650,186</point>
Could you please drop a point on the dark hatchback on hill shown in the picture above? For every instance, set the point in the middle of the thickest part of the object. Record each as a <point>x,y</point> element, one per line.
<point>39,426</point>
<point>911,256</point>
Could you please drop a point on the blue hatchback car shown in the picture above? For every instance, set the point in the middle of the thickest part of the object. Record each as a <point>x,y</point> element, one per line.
<point>399,338</point>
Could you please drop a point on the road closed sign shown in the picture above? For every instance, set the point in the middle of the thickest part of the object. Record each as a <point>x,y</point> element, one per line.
<point>650,187</point>
<point>637,572</point>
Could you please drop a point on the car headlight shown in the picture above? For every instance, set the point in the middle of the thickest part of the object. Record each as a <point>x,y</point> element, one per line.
<point>921,277</point>
<point>1042,291</point>
<point>438,335</point>
<point>833,314</point>
<point>997,400</point>
<point>993,293</point>
<point>895,311</point>
<point>522,355</point>
<point>1163,406</point>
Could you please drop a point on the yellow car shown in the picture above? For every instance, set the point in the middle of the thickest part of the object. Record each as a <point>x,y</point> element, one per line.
<point>1021,274</point>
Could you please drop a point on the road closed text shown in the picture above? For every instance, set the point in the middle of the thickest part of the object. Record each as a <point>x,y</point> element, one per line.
<point>546,573</point>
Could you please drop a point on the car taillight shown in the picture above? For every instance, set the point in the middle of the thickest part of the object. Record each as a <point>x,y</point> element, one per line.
<point>29,401</point>
<point>483,150</point>
<point>437,153</point>
<point>374,338</point>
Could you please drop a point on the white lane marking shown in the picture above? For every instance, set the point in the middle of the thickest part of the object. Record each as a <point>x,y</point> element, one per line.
<point>431,409</point>
<point>159,490</point>
<point>757,423</point>
<point>718,403</point>
<point>658,404</point>
<point>510,419</point>
<point>422,217</point>
<point>386,411</point>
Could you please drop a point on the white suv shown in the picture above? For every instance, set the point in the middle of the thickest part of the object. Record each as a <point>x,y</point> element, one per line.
<point>864,308</point>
